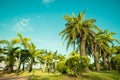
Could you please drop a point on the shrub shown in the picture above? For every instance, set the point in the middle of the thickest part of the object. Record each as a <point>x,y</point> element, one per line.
<point>77,64</point>
<point>61,67</point>
<point>85,61</point>
<point>73,64</point>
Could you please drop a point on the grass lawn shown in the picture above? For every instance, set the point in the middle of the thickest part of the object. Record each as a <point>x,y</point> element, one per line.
<point>37,75</point>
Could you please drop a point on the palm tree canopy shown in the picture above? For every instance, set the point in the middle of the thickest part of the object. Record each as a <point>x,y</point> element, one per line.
<point>77,27</point>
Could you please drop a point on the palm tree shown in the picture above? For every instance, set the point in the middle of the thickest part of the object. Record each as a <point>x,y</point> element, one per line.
<point>46,60</point>
<point>104,40</point>
<point>93,45</point>
<point>33,54</point>
<point>49,59</point>
<point>24,45</point>
<point>25,57</point>
<point>42,59</point>
<point>10,52</point>
<point>96,46</point>
<point>78,28</point>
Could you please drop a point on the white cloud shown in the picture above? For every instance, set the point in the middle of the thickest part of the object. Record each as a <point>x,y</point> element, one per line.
<point>23,25</point>
<point>24,22</point>
<point>47,1</point>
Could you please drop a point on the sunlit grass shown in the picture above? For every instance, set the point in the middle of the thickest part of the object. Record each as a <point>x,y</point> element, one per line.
<point>38,75</point>
<point>103,75</point>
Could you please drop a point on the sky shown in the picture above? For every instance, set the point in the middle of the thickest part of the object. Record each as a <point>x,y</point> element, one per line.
<point>42,20</point>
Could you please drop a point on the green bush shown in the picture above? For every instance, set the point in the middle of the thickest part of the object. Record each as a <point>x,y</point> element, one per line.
<point>73,64</point>
<point>77,64</point>
<point>85,61</point>
<point>61,67</point>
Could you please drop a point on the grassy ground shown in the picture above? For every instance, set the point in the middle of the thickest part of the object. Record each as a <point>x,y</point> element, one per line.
<point>37,75</point>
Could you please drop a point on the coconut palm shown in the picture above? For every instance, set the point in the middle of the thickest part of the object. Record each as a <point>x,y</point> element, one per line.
<point>42,59</point>
<point>104,40</point>
<point>10,52</point>
<point>78,28</point>
<point>49,59</point>
<point>23,44</point>
<point>93,47</point>
<point>33,54</point>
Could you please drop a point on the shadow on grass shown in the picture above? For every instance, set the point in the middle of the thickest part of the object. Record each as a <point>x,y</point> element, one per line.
<point>38,78</point>
<point>21,72</point>
<point>1,73</point>
<point>44,78</point>
<point>94,77</point>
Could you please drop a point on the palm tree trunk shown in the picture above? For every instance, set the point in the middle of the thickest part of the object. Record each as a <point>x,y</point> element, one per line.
<point>10,68</point>
<point>23,68</point>
<point>48,68</point>
<point>44,66</point>
<point>55,66</point>
<point>11,63</point>
<point>18,68</point>
<point>30,66</point>
<point>105,65</point>
<point>82,47</point>
<point>19,64</point>
<point>109,63</point>
<point>74,45</point>
<point>82,51</point>
<point>96,60</point>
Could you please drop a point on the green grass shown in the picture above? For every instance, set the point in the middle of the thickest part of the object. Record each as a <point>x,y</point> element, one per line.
<point>38,75</point>
<point>103,75</point>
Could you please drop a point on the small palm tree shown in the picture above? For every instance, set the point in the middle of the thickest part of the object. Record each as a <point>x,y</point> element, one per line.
<point>10,52</point>
<point>33,54</point>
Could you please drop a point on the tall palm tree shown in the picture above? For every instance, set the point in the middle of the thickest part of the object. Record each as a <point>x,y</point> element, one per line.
<point>78,28</point>
<point>104,41</point>
<point>95,47</point>
<point>23,44</point>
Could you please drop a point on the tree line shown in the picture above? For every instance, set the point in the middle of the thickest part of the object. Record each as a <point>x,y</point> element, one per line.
<point>21,52</point>
<point>87,39</point>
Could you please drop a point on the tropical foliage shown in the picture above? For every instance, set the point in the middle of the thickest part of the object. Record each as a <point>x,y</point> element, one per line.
<point>88,42</point>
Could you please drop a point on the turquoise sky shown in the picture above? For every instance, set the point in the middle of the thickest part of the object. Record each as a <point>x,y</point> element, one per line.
<point>42,20</point>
